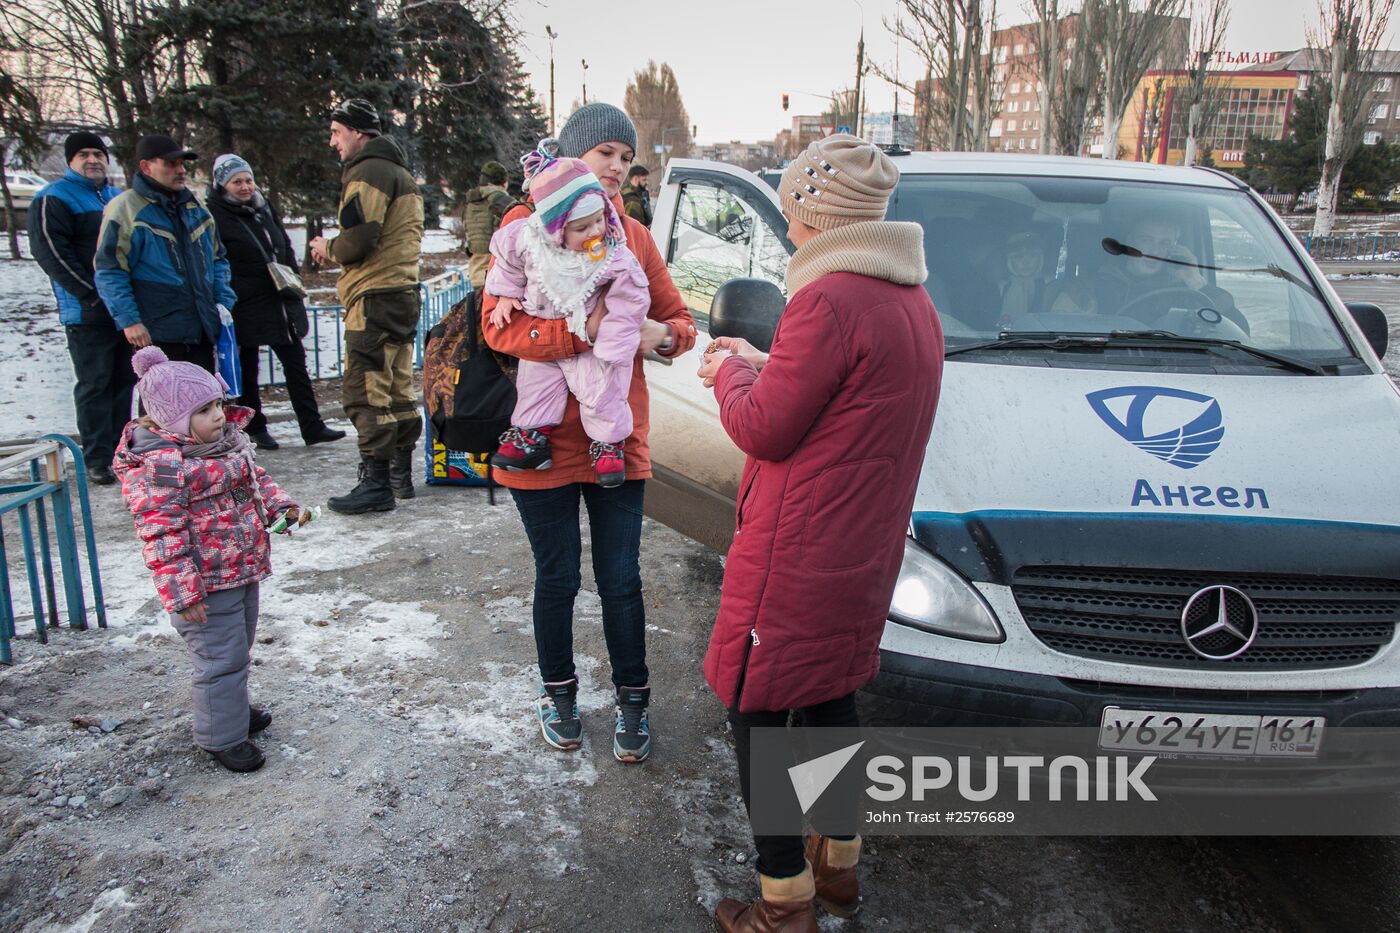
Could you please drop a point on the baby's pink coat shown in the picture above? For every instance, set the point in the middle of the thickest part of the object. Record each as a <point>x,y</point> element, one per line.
<point>599,378</point>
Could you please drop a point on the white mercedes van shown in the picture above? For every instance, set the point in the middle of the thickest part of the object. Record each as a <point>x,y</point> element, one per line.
<point>1163,488</point>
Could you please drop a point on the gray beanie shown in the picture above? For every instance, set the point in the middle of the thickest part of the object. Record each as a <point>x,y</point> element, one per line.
<point>228,165</point>
<point>592,125</point>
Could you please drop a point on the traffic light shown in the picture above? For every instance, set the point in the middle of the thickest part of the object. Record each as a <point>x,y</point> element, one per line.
<point>785,102</point>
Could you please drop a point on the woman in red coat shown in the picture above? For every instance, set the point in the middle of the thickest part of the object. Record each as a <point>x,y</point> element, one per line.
<point>835,422</point>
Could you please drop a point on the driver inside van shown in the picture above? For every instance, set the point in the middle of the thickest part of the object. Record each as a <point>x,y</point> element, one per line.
<point>1127,280</point>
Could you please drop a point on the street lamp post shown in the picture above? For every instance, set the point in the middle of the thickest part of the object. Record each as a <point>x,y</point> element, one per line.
<point>860,69</point>
<point>552,36</point>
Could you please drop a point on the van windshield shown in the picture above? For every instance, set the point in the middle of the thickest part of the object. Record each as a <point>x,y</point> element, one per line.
<point>1067,256</point>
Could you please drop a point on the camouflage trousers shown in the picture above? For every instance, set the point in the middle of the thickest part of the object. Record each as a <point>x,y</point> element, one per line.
<point>377,391</point>
<point>477,266</point>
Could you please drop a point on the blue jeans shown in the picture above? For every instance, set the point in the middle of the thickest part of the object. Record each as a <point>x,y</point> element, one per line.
<point>551,519</point>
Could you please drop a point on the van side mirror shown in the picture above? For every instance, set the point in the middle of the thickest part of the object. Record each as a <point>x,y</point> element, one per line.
<point>1372,321</point>
<point>747,308</point>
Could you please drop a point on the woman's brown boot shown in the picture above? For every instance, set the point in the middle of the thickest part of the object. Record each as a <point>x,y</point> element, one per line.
<point>784,907</point>
<point>834,873</point>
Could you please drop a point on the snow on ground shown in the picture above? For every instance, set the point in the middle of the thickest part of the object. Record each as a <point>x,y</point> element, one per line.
<point>434,241</point>
<point>36,375</point>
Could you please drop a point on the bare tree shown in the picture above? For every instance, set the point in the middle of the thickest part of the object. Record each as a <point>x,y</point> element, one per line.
<point>1150,116</point>
<point>843,109</point>
<point>653,101</point>
<point>19,130</point>
<point>962,89</point>
<point>1078,96</point>
<point>1134,36</point>
<point>95,52</point>
<point>1204,93</point>
<point>1048,42</point>
<point>1353,31</point>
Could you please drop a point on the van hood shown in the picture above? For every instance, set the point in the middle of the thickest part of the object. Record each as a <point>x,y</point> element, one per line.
<point>1048,465</point>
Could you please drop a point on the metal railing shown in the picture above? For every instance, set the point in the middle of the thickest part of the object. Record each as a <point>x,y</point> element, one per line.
<point>327,331</point>
<point>50,482</point>
<point>1353,247</point>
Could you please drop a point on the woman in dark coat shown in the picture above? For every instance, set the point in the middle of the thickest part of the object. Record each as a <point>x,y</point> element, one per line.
<point>263,317</point>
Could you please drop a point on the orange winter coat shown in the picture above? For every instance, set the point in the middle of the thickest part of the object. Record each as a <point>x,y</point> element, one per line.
<point>530,338</point>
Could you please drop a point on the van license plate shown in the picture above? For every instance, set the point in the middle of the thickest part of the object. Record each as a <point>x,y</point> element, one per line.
<point>1211,734</point>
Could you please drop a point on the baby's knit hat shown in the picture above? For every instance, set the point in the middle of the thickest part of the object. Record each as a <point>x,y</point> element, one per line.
<point>836,181</point>
<point>556,185</point>
<point>171,392</point>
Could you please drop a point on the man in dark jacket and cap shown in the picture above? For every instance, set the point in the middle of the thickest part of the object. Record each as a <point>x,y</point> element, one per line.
<point>65,219</point>
<point>486,205</point>
<point>380,239</point>
<point>160,265</point>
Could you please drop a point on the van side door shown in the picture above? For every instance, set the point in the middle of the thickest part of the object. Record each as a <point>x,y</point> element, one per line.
<point>712,222</point>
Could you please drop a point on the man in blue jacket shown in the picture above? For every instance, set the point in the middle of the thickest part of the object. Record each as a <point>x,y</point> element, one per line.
<point>161,268</point>
<point>64,221</point>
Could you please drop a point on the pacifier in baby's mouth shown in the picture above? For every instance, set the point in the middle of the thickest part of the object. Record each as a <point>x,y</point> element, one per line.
<point>596,248</point>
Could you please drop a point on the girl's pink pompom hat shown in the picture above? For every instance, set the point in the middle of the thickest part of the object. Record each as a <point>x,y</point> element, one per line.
<point>171,392</point>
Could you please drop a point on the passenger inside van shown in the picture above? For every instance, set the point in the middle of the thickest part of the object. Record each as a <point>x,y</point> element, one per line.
<point>1024,279</point>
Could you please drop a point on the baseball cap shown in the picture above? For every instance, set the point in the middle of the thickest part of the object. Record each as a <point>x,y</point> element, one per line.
<point>157,146</point>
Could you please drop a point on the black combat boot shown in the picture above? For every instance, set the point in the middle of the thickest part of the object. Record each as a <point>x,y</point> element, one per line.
<point>401,473</point>
<point>371,495</point>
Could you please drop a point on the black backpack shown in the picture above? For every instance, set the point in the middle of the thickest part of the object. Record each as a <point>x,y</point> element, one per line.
<point>482,393</point>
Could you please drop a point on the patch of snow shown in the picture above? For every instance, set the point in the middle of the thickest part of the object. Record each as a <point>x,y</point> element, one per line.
<point>36,374</point>
<point>112,900</point>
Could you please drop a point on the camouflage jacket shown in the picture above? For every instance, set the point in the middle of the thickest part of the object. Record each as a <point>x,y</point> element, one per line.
<point>381,224</point>
<point>636,203</point>
<point>482,215</point>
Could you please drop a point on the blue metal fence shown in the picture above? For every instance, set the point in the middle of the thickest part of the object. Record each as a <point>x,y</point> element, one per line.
<point>50,483</point>
<point>1353,247</point>
<point>438,294</point>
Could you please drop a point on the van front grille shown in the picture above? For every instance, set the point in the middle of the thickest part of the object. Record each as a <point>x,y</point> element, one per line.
<point>1134,616</point>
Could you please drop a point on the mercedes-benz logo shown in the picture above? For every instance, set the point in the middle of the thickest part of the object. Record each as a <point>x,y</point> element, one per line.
<point>1219,623</point>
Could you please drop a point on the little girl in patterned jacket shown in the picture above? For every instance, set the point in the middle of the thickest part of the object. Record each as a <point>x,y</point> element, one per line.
<point>569,261</point>
<point>202,508</point>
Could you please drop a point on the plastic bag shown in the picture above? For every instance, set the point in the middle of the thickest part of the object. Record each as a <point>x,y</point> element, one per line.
<point>226,353</point>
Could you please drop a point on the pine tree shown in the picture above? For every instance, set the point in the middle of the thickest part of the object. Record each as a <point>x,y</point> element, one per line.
<point>268,73</point>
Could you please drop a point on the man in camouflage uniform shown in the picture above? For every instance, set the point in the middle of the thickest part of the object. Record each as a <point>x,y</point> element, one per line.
<point>486,205</point>
<point>381,236</point>
<point>636,199</point>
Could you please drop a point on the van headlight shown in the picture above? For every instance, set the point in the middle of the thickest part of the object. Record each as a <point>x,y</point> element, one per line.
<point>932,596</point>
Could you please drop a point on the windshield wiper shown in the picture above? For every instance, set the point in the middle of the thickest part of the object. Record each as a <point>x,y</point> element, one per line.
<point>1147,339</point>
<point>1015,339</point>
<point>1151,338</point>
<point>1116,248</point>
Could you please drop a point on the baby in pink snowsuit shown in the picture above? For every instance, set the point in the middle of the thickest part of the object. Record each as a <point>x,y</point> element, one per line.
<point>569,260</point>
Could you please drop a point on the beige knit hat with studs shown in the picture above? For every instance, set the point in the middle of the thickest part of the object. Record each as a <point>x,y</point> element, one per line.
<point>836,181</point>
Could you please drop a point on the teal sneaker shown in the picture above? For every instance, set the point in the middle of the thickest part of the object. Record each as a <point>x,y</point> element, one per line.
<point>632,735</point>
<point>558,713</point>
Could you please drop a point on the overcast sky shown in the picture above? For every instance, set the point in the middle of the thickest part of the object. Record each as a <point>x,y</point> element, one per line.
<point>735,58</point>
